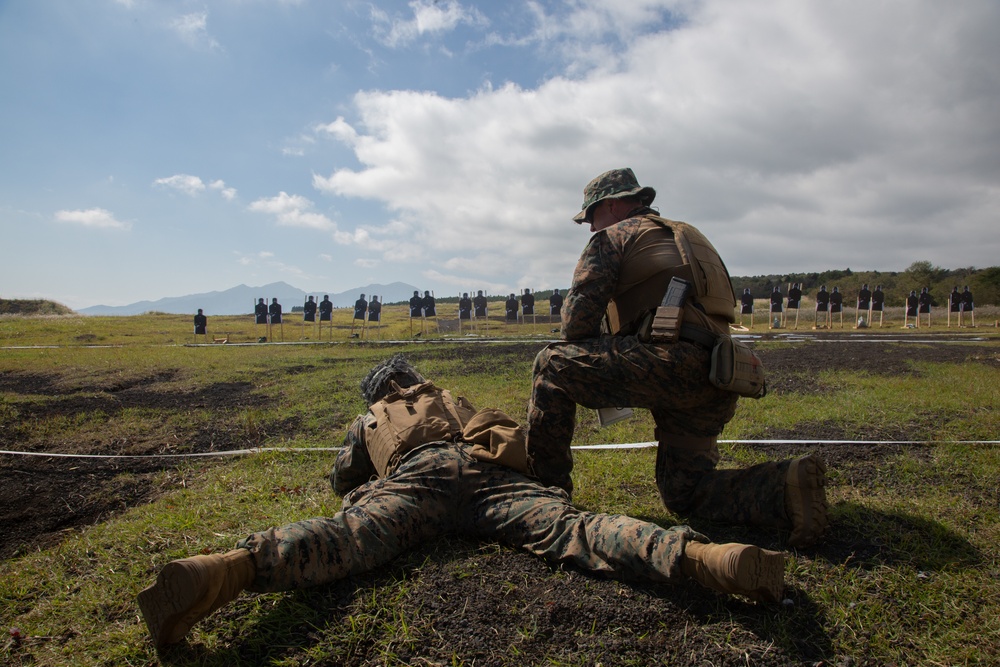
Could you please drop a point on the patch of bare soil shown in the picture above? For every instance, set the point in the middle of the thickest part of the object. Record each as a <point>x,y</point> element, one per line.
<point>794,369</point>
<point>490,606</point>
<point>42,498</point>
<point>486,604</point>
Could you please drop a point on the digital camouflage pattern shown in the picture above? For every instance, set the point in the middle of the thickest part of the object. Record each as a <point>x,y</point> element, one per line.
<point>595,279</point>
<point>440,489</point>
<point>671,380</point>
<point>611,184</point>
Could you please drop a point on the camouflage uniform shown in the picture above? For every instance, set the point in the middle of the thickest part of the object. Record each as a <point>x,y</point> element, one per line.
<point>440,489</point>
<point>671,380</point>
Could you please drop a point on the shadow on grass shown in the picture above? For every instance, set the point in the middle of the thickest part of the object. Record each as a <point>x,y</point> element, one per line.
<point>867,538</point>
<point>269,628</point>
<point>462,602</point>
<point>863,538</point>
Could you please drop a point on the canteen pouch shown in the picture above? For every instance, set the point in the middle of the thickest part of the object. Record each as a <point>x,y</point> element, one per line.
<point>736,368</point>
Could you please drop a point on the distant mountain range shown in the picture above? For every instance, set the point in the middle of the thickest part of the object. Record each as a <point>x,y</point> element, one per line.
<point>240,300</point>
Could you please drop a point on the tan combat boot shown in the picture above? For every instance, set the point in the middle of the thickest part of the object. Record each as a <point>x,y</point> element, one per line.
<point>190,589</point>
<point>737,569</point>
<point>805,500</point>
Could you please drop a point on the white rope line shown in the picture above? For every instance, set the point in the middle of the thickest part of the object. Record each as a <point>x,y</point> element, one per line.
<point>627,445</point>
<point>642,445</point>
<point>229,452</point>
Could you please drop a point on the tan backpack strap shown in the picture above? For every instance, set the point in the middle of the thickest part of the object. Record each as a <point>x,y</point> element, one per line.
<point>713,288</point>
<point>454,418</point>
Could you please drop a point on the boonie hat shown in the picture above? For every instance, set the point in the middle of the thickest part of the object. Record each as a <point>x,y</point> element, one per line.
<point>613,184</point>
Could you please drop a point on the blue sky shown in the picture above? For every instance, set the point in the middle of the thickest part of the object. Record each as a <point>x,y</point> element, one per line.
<point>154,149</point>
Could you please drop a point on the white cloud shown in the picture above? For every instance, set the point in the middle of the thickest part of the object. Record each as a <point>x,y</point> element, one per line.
<point>228,194</point>
<point>430,17</point>
<point>193,185</point>
<point>267,261</point>
<point>340,130</point>
<point>193,30</point>
<point>293,211</point>
<point>97,218</point>
<point>848,123</point>
<point>467,283</point>
<point>186,183</point>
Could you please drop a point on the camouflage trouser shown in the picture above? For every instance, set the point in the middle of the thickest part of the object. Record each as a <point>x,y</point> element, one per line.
<point>440,489</point>
<point>672,382</point>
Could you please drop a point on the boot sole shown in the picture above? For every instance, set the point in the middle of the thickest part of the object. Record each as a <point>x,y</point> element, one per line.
<point>760,574</point>
<point>165,604</point>
<point>807,479</point>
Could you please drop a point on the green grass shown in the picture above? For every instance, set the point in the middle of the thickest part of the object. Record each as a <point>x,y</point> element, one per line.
<point>953,401</point>
<point>923,587</point>
<point>161,328</point>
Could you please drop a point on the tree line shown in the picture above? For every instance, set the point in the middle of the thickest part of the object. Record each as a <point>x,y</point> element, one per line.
<point>983,283</point>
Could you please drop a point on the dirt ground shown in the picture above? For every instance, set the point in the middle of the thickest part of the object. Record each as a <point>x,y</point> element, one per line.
<point>460,585</point>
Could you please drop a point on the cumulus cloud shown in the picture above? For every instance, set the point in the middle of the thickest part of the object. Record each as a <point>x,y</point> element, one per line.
<point>97,218</point>
<point>293,211</point>
<point>430,17</point>
<point>849,126</point>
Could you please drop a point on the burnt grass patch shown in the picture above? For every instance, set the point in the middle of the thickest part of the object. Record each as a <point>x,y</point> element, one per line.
<point>485,604</point>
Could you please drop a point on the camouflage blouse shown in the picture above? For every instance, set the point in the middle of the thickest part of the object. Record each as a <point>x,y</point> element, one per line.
<point>596,277</point>
<point>353,466</point>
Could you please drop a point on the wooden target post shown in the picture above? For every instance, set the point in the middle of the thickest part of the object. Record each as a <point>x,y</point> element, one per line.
<point>746,308</point>
<point>363,310</point>
<point>420,310</point>
<point>258,319</point>
<point>470,311</point>
<point>373,315</point>
<point>270,338</point>
<point>955,305</point>
<point>906,311</point>
<point>485,317</point>
<point>507,321</point>
<point>794,300</point>
<point>271,317</point>
<point>427,320</point>
<point>827,322</point>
